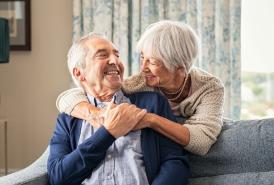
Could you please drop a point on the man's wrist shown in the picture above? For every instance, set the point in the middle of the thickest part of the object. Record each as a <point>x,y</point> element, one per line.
<point>111,131</point>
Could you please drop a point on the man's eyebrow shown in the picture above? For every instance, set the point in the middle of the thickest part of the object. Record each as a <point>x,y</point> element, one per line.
<point>116,51</point>
<point>100,51</point>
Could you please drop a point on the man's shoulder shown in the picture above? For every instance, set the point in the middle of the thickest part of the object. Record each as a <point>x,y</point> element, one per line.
<point>153,102</point>
<point>147,96</point>
<point>64,117</point>
<point>66,120</point>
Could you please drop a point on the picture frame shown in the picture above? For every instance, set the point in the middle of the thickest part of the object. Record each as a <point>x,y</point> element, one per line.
<point>18,14</point>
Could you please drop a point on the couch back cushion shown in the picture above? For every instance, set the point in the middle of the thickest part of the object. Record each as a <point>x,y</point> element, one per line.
<point>243,146</point>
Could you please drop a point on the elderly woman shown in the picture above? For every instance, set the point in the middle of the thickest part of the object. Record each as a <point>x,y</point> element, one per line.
<point>168,50</point>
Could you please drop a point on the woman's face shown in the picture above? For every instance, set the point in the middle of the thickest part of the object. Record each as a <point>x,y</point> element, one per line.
<point>154,71</point>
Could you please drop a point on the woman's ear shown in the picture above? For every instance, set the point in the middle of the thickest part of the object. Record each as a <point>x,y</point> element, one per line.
<point>77,73</point>
<point>181,72</point>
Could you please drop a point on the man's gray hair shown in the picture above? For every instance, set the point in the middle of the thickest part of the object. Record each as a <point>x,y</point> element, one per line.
<point>78,52</point>
<point>173,43</point>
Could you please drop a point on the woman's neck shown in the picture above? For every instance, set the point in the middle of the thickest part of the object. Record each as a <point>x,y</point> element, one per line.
<point>175,83</point>
<point>178,94</point>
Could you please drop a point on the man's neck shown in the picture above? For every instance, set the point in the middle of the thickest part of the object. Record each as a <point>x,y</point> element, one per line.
<point>117,98</point>
<point>104,95</point>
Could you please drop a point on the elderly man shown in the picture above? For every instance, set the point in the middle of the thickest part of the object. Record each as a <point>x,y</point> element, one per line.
<point>112,154</point>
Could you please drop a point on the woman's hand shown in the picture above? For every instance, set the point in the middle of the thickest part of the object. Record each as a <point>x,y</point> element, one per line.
<point>90,113</point>
<point>121,119</point>
<point>145,122</point>
<point>96,116</point>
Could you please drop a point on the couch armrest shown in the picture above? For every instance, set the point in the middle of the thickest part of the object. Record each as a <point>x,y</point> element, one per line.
<point>242,147</point>
<point>34,174</point>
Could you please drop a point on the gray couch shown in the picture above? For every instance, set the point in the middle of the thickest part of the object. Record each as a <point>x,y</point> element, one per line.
<point>243,155</point>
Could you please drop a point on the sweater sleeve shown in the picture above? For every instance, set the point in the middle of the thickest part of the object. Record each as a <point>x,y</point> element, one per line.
<point>206,122</point>
<point>68,99</point>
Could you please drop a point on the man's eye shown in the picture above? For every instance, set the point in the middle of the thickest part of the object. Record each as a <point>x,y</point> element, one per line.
<point>102,55</point>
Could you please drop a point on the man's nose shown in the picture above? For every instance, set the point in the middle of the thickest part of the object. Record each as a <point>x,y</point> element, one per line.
<point>113,59</point>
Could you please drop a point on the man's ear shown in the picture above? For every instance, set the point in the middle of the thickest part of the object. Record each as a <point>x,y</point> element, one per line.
<point>78,74</point>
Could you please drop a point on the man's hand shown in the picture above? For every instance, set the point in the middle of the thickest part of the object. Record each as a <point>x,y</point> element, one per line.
<point>121,119</point>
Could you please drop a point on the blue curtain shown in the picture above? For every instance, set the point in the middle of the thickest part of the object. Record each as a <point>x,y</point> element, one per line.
<point>217,22</point>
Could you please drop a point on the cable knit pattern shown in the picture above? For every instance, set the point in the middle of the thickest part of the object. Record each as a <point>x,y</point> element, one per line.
<point>67,100</point>
<point>203,107</point>
<point>135,83</point>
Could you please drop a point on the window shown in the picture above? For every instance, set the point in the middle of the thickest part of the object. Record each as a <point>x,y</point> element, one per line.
<point>257,59</point>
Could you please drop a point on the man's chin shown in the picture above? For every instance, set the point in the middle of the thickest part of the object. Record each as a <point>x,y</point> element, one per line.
<point>114,85</point>
<point>114,82</point>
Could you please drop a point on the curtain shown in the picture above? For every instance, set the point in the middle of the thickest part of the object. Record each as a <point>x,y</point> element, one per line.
<point>217,22</point>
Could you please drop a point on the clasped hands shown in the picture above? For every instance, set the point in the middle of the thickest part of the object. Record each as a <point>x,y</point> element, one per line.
<point>120,119</point>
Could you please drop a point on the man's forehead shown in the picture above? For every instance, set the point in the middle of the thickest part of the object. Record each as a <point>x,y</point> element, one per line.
<point>100,44</point>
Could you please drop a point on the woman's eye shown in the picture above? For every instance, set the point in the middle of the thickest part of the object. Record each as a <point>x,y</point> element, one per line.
<point>153,63</point>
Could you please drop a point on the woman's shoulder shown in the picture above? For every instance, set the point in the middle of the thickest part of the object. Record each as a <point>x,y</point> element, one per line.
<point>135,83</point>
<point>200,77</point>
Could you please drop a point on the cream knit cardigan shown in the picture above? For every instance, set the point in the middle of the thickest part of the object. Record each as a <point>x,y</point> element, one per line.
<point>203,107</point>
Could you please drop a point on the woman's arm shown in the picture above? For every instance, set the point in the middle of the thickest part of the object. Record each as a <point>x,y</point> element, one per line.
<point>170,129</point>
<point>201,129</point>
<point>74,102</point>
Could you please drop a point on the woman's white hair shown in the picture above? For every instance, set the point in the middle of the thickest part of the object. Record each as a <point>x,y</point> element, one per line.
<point>78,52</point>
<point>173,43</point>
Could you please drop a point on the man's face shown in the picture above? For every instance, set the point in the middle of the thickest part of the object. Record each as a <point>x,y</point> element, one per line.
<point>104,70</point>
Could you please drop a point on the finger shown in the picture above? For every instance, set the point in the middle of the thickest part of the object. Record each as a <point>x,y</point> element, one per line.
<point>101,121</point>
<point>109,106</point>
<point>93,122</point>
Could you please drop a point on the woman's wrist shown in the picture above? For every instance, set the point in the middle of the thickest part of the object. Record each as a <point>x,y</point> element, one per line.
<point>94,111</point>
<point>150,120</point>
<point>84,110</point>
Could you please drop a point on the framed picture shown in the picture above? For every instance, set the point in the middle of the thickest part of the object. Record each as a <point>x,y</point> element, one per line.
<point>18,14</point>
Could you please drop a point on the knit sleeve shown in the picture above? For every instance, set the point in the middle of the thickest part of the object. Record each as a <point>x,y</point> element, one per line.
<point>68,99</point>
<point>206,122</point>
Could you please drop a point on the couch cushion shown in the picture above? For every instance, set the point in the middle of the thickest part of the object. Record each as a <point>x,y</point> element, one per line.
<point>244,146</point>
<point>251,178</point>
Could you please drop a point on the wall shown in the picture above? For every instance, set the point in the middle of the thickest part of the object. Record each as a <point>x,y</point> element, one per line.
<point>30,83</point>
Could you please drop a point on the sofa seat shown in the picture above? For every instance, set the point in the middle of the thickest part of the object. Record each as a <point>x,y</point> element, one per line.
<point>242,155</point>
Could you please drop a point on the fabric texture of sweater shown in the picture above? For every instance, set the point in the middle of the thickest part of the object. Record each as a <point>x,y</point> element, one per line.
<point>68,163</point>
<point>203,106</point>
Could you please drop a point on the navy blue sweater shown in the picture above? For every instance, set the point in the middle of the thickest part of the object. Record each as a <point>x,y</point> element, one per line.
<point>165,161</point>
